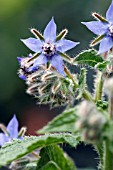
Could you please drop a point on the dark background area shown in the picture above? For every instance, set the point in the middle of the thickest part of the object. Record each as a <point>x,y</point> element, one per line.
<point>16,17</point>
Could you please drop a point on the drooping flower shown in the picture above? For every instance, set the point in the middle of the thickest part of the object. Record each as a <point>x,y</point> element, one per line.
<point>25,63</point>
<point>49,46</point>
<point>103,28</point>
<point>11,131</point>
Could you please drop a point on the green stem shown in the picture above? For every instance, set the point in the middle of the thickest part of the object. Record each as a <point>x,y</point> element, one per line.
<point>98,96</point>
<point>98,147</point>
<point>86,94</point>
<point>99,86</point>
<point>108,155</point>
<point>111,107</point>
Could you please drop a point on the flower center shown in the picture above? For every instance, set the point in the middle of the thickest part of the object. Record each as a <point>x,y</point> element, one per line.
<point>48,49</point>
<point>111,30</point>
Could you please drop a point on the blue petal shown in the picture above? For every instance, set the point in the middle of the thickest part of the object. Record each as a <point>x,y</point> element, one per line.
<point>19,60</point>
<point>41,59</point>
<point>12,128</point>
<point>97,27</point>
<point>3,139</point>
<point>109,14</point>
<point>57,62</point>
<point>33,44</point>
<point>23,77</point>
<point>65,45</point>
<point>105,45</point>
<point>50,31</point>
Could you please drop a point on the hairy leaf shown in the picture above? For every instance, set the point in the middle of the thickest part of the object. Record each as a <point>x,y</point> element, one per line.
<point>88,57</point>
<point>19,148</point>
<point>101,66</point>
<point>55,155</point>
<point>62,123</point>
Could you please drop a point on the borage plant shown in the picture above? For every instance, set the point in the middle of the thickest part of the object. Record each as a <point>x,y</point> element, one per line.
<point>50,81</point>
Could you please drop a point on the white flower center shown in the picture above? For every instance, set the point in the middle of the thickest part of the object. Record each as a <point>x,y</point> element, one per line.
<point>111,29</point>
<point>48,49</point>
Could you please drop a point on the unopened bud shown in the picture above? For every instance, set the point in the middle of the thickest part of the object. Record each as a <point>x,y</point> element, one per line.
<point>96,120</point>
<point>32,89</point>
<point>79,124</point>
<point>56,86</point>
<point>108,86</point>
<point>48,76</point>
<point>86,108</point>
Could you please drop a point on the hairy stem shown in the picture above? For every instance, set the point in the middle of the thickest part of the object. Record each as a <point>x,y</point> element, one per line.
<point>86,94</point>
<point>99,86</point>
<point>111,107</point>
<point>108,155</point>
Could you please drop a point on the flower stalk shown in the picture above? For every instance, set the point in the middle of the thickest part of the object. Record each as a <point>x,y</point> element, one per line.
<point>99,86</point>
<point>108,155</point>
<point>86,94</point>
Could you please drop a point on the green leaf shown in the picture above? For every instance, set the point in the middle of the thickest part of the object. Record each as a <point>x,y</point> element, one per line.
<point>88,57</point>
<point>62,123</point>
<point>19,148</point>
<point>50,166</point>
<point>82,83</point>
<point>54,156</point>
<point>101,66</point>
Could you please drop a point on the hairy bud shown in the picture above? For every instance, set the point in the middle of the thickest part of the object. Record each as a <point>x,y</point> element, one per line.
<point>90,122</point>
<point>48,86</point>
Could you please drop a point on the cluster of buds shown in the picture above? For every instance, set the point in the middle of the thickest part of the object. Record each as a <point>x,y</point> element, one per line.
<point>46,84</point>
<point>90,122</point>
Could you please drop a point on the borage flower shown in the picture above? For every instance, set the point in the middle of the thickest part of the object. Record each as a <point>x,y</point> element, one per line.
<point>25,63</point>
<point>11,131</point>
<point>104,29</point>
<point>49,47</point>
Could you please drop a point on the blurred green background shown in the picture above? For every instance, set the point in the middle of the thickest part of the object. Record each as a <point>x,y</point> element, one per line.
<point>16,17</point>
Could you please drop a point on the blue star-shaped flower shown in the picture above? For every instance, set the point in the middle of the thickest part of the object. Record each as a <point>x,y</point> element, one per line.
<point>49,48</point>
<point>11,132</point>
<point>103,28</point>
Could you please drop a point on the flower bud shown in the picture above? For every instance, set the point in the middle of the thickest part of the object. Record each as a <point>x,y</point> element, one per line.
<point>97,120</point>
<point>86,108</point>
<point>108,86</point>
<point>90,122</point>
<point>48,86</point>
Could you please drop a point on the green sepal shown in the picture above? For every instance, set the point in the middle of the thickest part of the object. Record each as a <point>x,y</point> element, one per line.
<point>99,17</point>
<point>62,34</point>
<point>37,34</point>
<point>97,40</point>
<point>64,122</point>
<point>88,57</point>
<point>66,57</point>
<point>19,148</point>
